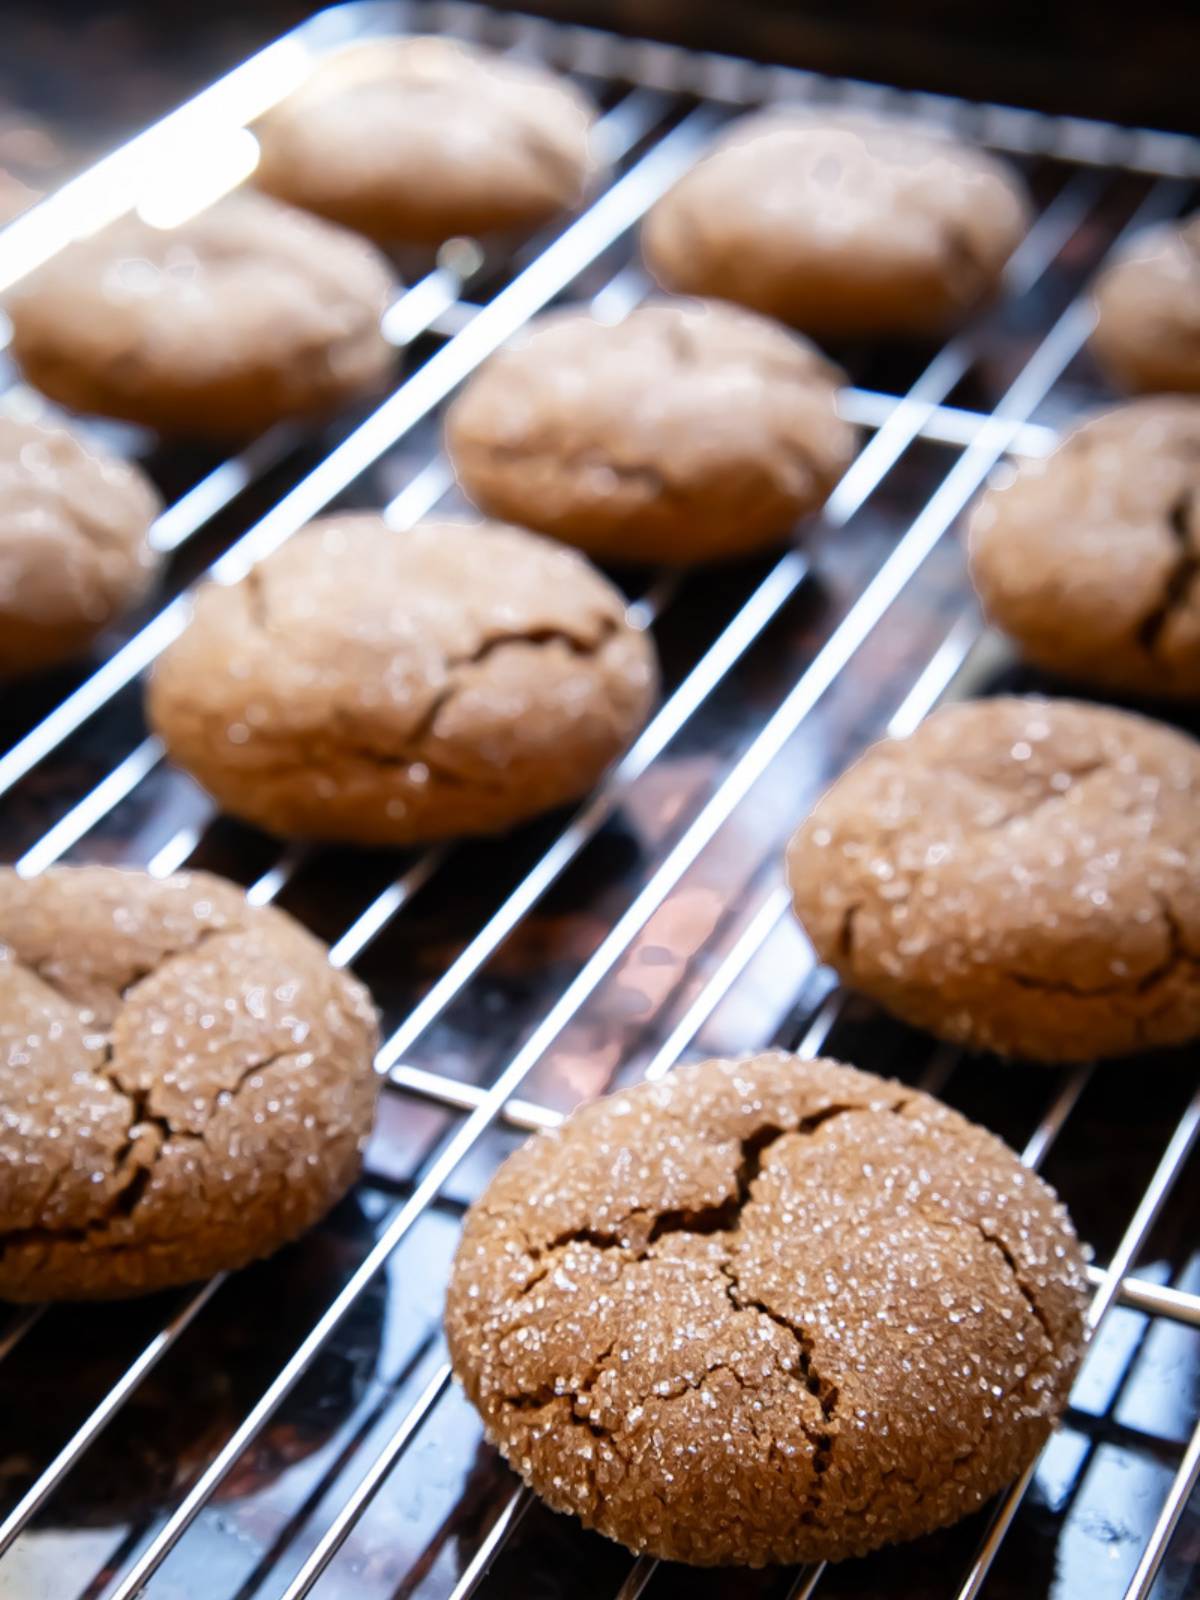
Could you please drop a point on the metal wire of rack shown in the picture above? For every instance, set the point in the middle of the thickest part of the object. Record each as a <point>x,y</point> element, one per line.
<point>776,676</point>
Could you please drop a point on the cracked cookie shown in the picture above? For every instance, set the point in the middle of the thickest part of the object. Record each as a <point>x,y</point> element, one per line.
<point>417,140</point>
<point>73,548</point>
<point>249,313</point>
<point>1147,333</point>
<point>685,432</point>
<point>188,1083</point>
<point>767,1310</point>
<point>843,226</point>
<point>388,687</point>
<point>1020,875</point>
<point>1090,559</point>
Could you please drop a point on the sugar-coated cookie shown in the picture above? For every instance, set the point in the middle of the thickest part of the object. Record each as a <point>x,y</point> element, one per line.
<point>74,552</point>
<point>1147,333</point>
<point>419,139</point>
<point>1090,558</point>
<point>1021,875</point>
<point>249,313</point>
<point>392,687</point>
<point>188,1083</point>
<point>688,431</point>
<point>767,1310</point>
<point>843,225</point>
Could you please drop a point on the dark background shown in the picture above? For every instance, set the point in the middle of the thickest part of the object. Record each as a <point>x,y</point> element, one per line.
<point>77,77</point>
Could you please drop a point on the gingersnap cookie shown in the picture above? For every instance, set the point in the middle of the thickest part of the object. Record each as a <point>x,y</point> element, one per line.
<point>841,225</point>
<point>188,1083</point>
<point>688,431</point>
<point>74,552</point>
<point>1147,332</point>
<point>389,687</point>
<point>420,139</point>
<point>249,313</point>
<point>767,1310</point>
<point>1019,875</point>
<point>1090,558</point>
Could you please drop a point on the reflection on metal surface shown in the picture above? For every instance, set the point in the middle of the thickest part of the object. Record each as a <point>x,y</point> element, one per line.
<point>199,178</point>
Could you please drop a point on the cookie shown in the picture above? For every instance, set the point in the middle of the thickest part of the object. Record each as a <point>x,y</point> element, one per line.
<point>1147,304</point>
<point>74,552</point>
<point>689,431</point>
<point>420,139</point>
<point>189,1084</point>
<point>249,313</point>
<point>1090,558</point>
<point>392,688</point>
<point>840,225</point>
<point>1020,875</point>
<point>766,1310</point>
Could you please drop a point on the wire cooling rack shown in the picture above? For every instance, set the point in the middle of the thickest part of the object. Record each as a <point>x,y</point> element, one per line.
<point>294,1428</point>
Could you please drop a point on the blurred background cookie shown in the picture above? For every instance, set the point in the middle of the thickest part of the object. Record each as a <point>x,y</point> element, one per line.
<point>766,1310</point>
<point>249,313</point>
<point>389,687</point>
<point>195,1085</point>
<point>688,431</point>
<point>1090,558</point>
<point>1020,875</point>
<point>841,225</point>
<point>417,140</point>
<point>1147,333</point>
<point>74,552</point>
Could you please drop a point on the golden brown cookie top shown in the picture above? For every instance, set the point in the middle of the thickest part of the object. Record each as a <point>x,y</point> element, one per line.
<point>661,436</point>
<point>1147,302</point>
<point>73,546</point>
<point>827,219</point>
<point>766,1310</point>
<point>247,287</point>
<point>1019,873</point>
<point>1090,558</point>
<point>174,1060</point>
<point>420,138</point>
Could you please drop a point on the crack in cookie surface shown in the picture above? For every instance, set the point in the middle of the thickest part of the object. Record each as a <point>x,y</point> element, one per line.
<point>1090,558</point>
<point>1011,853</point>
<point>453,678</point>
<point>668,1356</point>
<point>743,436</point>
<point>180,1054</point>
<point>1182,521</point>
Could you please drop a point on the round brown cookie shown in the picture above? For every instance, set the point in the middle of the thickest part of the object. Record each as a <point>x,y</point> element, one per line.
<point>1090,558</point>
<point>391,687</point>
<point>1020,875</point>
<point>840,225</point>
<point>686,432</point>
<point>246,314</point>
<point>767,1310</point>
<point>420,139</point>
<point>1147,333</point>
<point>188,1085</point>
<point>73,548</point>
